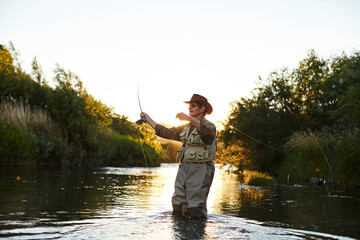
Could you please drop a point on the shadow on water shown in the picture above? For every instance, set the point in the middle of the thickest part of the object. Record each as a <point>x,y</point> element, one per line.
<point>129,203</point>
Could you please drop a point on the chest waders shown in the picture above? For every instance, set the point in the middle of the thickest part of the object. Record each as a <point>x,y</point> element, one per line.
<point>195,174</point>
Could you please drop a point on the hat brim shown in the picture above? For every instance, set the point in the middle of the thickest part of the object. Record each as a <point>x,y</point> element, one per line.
<point>208,106</point>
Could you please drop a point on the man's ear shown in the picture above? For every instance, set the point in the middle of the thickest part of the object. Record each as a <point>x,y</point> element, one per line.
<point>203,109</point>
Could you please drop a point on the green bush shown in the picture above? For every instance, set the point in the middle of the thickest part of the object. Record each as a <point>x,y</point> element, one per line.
<point>41,125</point>
<point>52,151</point>
<point>330,154</point>
<point>123,150</point>
<point>258,179</point>
<point>16,146</point>
<point>318,93</point>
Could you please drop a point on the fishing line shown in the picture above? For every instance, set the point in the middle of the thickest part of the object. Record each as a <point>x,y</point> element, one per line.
<point>254,139</point>
<point>142,148</point>
<point>311,134</point>
<point>267,145</point>
<point>141,121</point>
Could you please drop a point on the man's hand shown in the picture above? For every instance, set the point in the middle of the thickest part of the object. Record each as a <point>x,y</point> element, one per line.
<point>183,117</point>
<point>193,121</point>
<point>148,119</point>
<point>143,115</point>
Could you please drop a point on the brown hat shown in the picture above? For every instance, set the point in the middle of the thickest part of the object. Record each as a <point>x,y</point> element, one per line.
<point>202,100</point>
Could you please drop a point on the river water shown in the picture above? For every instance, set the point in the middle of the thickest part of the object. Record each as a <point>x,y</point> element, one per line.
<point>135,203</point>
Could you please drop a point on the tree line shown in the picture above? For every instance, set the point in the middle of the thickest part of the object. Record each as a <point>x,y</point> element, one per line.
<point>300,123</point>
<point>63,125</point>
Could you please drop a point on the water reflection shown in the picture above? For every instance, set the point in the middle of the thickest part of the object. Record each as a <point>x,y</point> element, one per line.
<point>228,196</point>
<point>136,202</point>
<point>189,228</point>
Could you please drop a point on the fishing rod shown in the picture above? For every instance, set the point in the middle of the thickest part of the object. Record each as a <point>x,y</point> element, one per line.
<point>139,122</point>
<point>143,120</point>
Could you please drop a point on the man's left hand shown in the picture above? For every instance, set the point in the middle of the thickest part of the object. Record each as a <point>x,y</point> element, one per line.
<point>183,117</point>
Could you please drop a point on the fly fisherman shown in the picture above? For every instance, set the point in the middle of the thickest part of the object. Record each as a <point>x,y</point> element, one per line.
<point>196,169</point>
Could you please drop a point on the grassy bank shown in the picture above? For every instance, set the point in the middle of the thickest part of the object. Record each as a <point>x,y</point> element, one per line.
<point>300,123</point>
<point>29,137</point>
<point>118,150</point>
<point>257,179</point>
<point>63,125</point>
<point>332,155</point>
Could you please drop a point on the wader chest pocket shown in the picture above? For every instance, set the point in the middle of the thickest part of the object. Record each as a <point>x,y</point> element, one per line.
<point>190,154</point>
<point>196,154</point>
<point>202,154</point>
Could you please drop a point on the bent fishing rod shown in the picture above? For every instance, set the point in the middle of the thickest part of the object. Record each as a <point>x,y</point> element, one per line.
<point>139,122</point>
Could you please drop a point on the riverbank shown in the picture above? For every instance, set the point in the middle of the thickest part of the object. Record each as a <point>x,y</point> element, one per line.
<point>300,123</point>
<point>63,125</point>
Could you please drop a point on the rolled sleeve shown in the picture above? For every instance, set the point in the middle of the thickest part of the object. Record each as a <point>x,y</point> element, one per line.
<point>168,133</point>
<point>207,131</point>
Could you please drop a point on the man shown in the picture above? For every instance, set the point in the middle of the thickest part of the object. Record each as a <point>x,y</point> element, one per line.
<point>196,169</point>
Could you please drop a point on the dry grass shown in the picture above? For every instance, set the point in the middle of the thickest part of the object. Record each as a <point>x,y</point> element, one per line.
<point>34,120</point>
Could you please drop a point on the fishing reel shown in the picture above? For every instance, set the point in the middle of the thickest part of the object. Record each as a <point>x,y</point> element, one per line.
<point>140,121</point>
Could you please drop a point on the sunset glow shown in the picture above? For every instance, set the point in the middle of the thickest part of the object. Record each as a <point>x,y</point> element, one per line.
<point>174,50</point>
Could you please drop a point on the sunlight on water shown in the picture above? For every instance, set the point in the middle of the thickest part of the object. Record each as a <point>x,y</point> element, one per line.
<point>227,193</point>
<point>135,203</point>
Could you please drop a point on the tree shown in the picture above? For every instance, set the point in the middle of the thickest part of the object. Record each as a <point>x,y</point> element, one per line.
<point>344,91</point>
<point>319,93</point>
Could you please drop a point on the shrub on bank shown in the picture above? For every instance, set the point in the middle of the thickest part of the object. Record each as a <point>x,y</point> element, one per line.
<point>41,125</point>
<point>258,179</point>
<point>36,120</point>
<point>52,150</point>
<point>333,155</point>
<point>29,136</point>
<point>16,146</point>
<point>122,150</point>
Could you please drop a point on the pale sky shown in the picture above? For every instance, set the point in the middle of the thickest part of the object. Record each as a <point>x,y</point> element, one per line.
<point>173,49</point>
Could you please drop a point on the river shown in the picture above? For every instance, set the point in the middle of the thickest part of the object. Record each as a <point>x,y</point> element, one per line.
<point>135,203</point>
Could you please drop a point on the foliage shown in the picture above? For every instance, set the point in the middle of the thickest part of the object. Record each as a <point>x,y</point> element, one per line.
<point>149,138</point>
<point>16,146</point>
<point>121,125</point>
<point>171,149</point>
<point>258,179</point>
<point>64,124</point>
<point>234,155</point>
<point>120,151</point>
<point>30,137</point>
<point>318,93</point>
<point>36,121</point>
<point>330,154</point>
<point>344,90</point>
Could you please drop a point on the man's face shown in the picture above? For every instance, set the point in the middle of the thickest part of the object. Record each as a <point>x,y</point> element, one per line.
<point>195,109</point>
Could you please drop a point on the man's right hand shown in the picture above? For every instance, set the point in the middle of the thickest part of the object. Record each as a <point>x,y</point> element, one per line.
<point>151,122</point>
<point>143,115</point>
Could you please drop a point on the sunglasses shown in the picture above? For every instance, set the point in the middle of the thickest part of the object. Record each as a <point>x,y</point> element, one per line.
<point>194,105</point>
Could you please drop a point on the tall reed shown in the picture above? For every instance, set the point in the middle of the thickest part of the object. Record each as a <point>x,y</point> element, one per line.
<point>35,120</point>
<point>330,154</point>
<point>29,136</point>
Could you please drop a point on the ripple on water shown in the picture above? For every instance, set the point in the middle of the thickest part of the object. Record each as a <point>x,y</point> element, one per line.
<point>162,226</point>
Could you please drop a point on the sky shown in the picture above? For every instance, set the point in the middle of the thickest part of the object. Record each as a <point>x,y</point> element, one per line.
<point>169,50</point>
